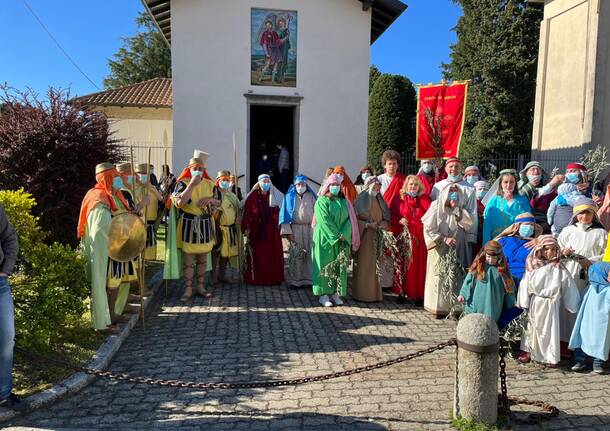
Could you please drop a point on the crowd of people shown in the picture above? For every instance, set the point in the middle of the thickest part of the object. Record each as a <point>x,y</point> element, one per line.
<point>437,238</point>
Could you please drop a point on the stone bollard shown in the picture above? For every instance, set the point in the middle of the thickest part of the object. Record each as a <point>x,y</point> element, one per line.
<point>476,379</point>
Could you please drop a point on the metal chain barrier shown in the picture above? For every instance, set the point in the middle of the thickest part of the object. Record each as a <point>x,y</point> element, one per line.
<point>504,401</point>
<point>247,385</point>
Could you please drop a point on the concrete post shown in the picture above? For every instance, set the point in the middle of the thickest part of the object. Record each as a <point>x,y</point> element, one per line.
<point>476,380</point>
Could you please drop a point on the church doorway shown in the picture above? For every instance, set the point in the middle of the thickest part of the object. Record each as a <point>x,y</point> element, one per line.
<point>270,127</point>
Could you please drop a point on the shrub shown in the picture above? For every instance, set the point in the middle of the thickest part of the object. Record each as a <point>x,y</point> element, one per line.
<point>392,106</point>
<point>50,286</point>
<point>50,148</point>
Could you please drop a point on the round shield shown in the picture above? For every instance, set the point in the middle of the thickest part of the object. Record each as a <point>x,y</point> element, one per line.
<point>127,237</point>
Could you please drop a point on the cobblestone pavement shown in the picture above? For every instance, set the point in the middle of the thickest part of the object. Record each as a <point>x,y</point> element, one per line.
<point>260,333</point>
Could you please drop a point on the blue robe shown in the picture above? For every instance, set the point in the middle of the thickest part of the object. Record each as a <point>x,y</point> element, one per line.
<point>499,215</point>
<point>515,251</point>
<point>592,329</point>
<point>486,296</point>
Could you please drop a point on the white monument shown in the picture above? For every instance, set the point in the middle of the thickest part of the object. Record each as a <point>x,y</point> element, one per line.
<point>572,111</point>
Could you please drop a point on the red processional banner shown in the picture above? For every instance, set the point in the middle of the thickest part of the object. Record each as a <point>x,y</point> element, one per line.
<point>441,110</point>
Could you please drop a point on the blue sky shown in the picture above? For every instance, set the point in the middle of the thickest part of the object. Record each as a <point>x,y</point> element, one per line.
<point>90,32</point>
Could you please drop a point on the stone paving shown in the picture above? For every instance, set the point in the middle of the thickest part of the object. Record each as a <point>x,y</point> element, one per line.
<point>262,333</point>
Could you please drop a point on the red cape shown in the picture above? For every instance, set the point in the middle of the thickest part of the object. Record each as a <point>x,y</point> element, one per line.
<point>394,189</point>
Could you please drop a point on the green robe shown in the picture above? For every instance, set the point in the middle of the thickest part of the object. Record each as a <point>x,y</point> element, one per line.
<point>95,248</point>
<point>332,221</point>
<point>486,296</point>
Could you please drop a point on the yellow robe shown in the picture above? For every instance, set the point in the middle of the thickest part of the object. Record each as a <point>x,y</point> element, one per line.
<point>230,234</point>
<point>152,211</point>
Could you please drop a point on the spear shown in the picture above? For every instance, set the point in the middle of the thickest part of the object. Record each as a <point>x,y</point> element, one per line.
<point>239,238</point>
<point>138,272</point>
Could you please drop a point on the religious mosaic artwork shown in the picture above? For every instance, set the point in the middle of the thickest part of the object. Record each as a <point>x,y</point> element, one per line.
<point>273,56</point>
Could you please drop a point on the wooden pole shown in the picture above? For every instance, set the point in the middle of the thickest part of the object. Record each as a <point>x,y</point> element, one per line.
<point>240,237</point>
<point>138,272</point>
<point>165,193</point>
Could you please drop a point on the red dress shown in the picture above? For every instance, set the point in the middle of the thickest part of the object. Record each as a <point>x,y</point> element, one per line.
<point>413,209</point>
<point>262,224</point>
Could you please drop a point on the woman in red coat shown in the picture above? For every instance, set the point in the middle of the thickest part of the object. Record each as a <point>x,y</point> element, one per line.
<point>407,210</point>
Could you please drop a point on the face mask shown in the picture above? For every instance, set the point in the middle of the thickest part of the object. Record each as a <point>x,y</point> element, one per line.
<point>117,183</point>
<point>533,178</point>
<point>454,178</point>
<point>365,175</point>
<point>481,194</point>
<point>471,179</point>
<point>334,190</point>
<point>265,186</point>
<point>129,179</point>
<point>143,178</point>
<point>453,196</point>
<point>427,168</point>
<point>585,226</point>
<point>526,231</point>
<point>412,194</point>
<point>301,189</point>
<point>340,177</point>
<point>572,178</point>
<point>195,173</point>
<point>224,184</point>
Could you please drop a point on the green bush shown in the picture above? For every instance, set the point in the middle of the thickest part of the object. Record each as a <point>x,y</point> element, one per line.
<point>50,285</point>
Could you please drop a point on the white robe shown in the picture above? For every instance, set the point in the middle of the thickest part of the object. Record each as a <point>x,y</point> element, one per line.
<point>301,228</point>
<point>471,203</point>
<point>543,292</point>
<point>588,243</point>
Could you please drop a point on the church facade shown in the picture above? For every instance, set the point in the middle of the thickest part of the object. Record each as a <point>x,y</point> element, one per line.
<point>272,72</point>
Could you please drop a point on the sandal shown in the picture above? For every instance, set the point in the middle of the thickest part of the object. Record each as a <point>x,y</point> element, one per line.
<point>188,293</point>
<point>203,293</point>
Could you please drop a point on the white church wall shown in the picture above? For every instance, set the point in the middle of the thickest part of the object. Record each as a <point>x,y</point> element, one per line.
<point>211,74</point>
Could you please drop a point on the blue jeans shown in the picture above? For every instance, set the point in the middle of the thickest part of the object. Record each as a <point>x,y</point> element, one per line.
<point>7,338</point>
<point>580,356</point>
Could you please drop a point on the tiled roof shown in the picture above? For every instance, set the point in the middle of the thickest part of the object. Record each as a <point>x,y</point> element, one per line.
<point>155,93</point>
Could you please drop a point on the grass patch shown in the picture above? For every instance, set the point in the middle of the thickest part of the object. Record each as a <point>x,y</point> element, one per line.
<point>74,344</point>
<point>463,424</point>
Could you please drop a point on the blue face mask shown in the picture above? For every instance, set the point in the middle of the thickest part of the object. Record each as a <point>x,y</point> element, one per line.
<point>340,177</point>
<point>364,176</point>
<point>427,168</point>
<point>412,194</point>
<point>143,178</point>
<point>471,179</point>
<point>532,178</point>
<point>481,194</point>
<point>265,186</point>
<point>334,190</point>
<point>117,183</point>
<point>526,231</point>
<point>572,178</point>
<point>453,196</point>
<point>129,179</point>
<point>196,173</point>
<point>454,179</point>
<point>224,184</point>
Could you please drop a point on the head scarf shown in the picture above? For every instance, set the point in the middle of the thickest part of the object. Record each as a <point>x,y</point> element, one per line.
<point>536,258</point>
<point>287,210</point>
<point>359,180</point>
<point>586,204</point>
<point>472,168</point>
<point>347,187</point>
<point>578,166</point>
<point>523,179</point>
<point>513,229</point>
<point>453,217</point>
<point>365,199</point>
<point>493,191</point>
<point>598,276</point>
<point>333,179</point>
<point>186,172</point>
<point>275,196</point>
<point>101,193</point>
<point>492,248</point>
